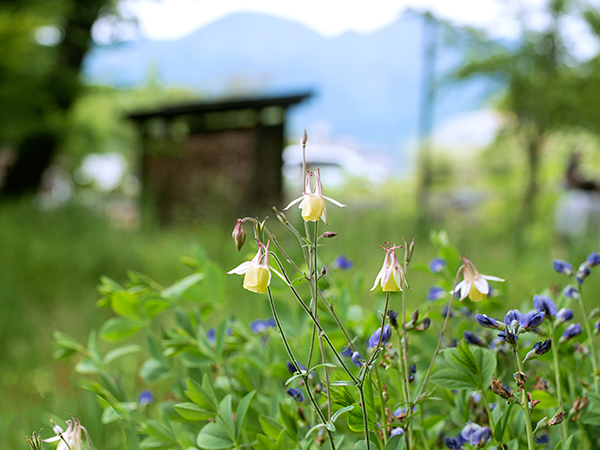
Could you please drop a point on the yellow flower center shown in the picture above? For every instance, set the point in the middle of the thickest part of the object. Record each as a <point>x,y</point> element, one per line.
<point>312,207</point>
<point>257,279</point>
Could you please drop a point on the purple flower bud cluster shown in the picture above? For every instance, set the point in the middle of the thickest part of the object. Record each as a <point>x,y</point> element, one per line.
<point>570,292</point>
<point>474,435</point>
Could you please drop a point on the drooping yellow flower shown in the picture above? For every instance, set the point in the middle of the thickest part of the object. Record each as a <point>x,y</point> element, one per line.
<point>391,277</point>
<point>313,204</point>
<point>71,439</point>
<point>257,273</point>
<point>474,284</point>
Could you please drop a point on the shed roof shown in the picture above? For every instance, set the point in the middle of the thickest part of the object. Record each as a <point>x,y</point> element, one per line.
<point>199,108</point>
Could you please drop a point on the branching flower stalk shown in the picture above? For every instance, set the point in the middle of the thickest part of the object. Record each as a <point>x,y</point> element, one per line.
<point>304,373</point>
<point>418,397</point>
<point>555,360</point>
<point>525,401</point>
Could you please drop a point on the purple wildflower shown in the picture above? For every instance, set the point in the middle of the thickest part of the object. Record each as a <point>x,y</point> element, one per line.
<point>571,331</point>
<point>545,304</point>
<point>435,293</point>
<point>436,265</point>
<point>563,267</point>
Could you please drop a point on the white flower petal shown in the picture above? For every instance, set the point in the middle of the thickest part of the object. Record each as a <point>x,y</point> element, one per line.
<point>241,269</point>
<point>335,202</point>
<point>293,202</point>
<point>464,292</point>
<point>482,285</point>
<point>492,278</point>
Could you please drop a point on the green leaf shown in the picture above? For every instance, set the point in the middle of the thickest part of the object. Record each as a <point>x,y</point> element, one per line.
<point>126,304</point>
<point>342,396</point>
<point>109,415</point>
<point>153,370</point>
<point>355,419</point>
<point>119,328</point>
<point>546,400</point>
<point>465,358</point>
<point>220,333</point>
<point>155,306</point>
<point>361,445</point>
<point>242,411</point>
<point>316,427</point>
<point>339,412</point>
<point>264,443</point>
<point>591,417</point>
<point>370,400</point>
<point>289,420</point>
<point>451,379</point>
<point>395,443</point>
<point>66,344</point>
<point>150,442</point>
<point>214,436</point>
<point>226,413</point>
<point>594,398</point>
<point>120,351</point>
<point>159,431</point>
<point>282,442</point>
<point>270,426</point>
<point>343,383</point>
<point>87,366</point>
<point>191,411</point>
<point>197,394</point>
<point>176,291</point>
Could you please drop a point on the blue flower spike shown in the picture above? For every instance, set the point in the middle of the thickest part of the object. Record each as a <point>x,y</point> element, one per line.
<point>562,267</point>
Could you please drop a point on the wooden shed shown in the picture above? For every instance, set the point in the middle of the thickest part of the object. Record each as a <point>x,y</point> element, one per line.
<point>214,159</point>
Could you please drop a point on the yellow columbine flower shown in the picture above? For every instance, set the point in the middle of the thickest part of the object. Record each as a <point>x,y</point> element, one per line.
<point>474,285</point>
<point>70,439</point>
<point>257,273</point>
<point>313,204</point>
<point>391,276</point>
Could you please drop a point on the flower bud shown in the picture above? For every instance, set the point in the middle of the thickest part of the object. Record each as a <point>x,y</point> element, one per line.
<point>304,138</point>
<point>357,359</point>
<point>593,259</point>
<point>435,293</point>
<point>570,292</point>
<point>545,304</point>
<point>239,234</point>
<point>329,235</point>
<point>486,322</point>
<point>563,267</point>
<point>557,419</point>
<point>571,331</point>
<point>296,394</point>
<point>436,265</point>
<point>539,348</point>
<point>564,315</point>
<point>393,318</point>
<point>501,389</point>
<point>280,216</point>
<point>583,272</point>
<point>472,338</point>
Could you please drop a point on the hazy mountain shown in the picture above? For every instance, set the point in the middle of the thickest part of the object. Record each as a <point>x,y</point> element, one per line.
<point>366,86</point>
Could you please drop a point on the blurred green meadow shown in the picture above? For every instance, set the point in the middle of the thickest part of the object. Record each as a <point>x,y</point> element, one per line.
<point>52,261</point>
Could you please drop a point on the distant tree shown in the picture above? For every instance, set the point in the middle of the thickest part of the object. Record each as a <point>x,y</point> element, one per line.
<point>39,79</point>
<point>547,90</point>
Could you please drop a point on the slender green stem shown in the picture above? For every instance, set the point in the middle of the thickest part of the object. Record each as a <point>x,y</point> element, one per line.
<point>363,403</point>
<point>489,412</point>
<point>439,344</point>
<point>590,339</point>
<point>525,404</point>
<point>310,314</point>
<point>286,344</point>
<point>563,425</point>
<point>381,403</point>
